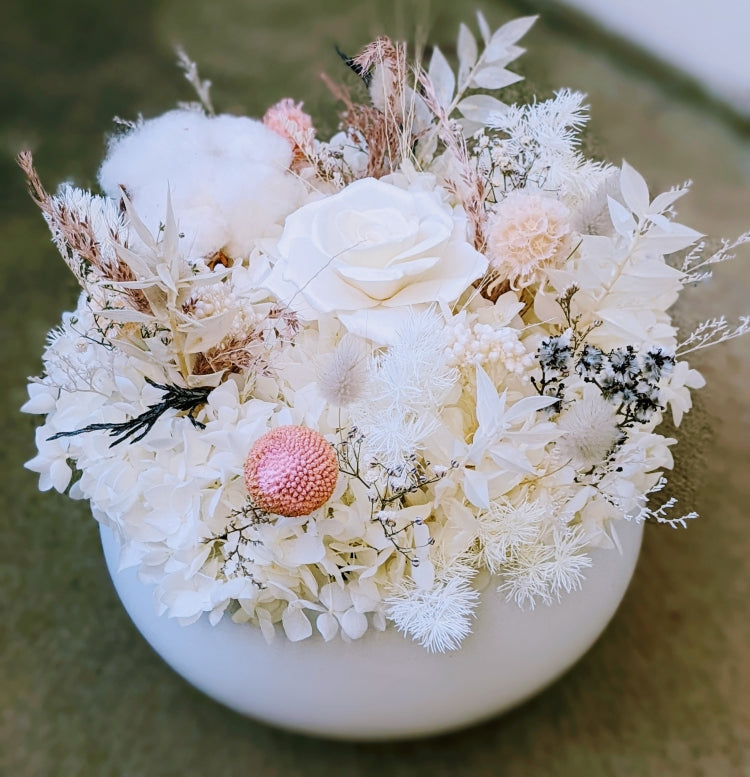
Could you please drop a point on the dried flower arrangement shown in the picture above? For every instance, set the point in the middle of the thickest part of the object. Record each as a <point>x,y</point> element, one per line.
<point>325,383</point>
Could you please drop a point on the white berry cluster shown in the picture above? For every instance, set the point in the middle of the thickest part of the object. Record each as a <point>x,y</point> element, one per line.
<point>482,344</point>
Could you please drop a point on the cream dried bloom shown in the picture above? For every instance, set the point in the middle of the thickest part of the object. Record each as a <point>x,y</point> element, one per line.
<point>343,373</point>
<point>590,430</point>
<point>526,234</point>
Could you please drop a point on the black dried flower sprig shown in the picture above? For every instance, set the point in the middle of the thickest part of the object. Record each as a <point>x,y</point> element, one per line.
<point>624,375</point>
<point>185,400</point>
<point>555,357</point>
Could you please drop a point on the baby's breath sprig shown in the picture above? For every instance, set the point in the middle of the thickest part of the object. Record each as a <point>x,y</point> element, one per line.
<point>392,532</point>
<point>236,542</point>
<point>390,488</point>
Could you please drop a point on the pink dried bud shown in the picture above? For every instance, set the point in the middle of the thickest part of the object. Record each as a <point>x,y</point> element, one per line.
<point>286,118</point>
<point>291,470</point>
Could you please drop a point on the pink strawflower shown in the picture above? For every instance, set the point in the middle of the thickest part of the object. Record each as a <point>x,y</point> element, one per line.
<point>526,234</point>
<point>287,119</point>
<point>291,470</point>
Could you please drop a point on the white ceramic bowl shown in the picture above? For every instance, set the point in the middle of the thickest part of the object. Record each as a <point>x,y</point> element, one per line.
<point>384,686</point>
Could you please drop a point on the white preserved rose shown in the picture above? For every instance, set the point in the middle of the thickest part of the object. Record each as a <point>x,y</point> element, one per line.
<point>371,252</point>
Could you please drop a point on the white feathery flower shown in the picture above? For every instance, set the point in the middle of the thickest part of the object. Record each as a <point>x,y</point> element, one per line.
<point>590,430</point>
<point>543,571</point>
<point>439,619</point>
<point>526,578</point>
<point>566,568</point>
<point>414,371</point>
<point>504,527</point>
<point>343,374</point>
<point>543,140</point>
<point>390,437</point>
<point>406,390</point>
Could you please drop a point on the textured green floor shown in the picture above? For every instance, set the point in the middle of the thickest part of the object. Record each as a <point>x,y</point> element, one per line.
<point>664,692</point>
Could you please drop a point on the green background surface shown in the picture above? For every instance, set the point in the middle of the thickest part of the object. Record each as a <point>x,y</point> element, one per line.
<point>665,691</point>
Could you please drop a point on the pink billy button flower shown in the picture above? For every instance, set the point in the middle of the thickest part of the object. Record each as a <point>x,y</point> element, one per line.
<point>291,470</point>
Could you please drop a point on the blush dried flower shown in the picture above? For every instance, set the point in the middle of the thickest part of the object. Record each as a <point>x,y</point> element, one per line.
<point>287,119</point>
<point>526,234</point>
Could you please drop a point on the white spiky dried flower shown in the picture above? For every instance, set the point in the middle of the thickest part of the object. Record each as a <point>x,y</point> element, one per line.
<point>566,569</point>
<point>543,571</point>
<point>438,618</point>
<point>505,527</point>
<point>415,371</point>
<point>406,389</point>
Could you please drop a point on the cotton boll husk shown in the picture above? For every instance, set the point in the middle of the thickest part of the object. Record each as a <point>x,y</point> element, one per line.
<point>227,177</point>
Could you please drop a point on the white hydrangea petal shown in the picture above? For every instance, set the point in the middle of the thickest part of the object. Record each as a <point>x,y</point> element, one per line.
<point>327,625</point>
<point>354,624</point>
<point>296,624</point>
<point>60,474</point>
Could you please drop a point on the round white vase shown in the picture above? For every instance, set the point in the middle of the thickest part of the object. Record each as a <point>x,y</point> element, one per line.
<point>385,686</point>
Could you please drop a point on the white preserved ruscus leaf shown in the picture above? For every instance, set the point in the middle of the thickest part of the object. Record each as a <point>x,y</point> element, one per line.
<point>441,75</point>
<point>634,190</point>
<point>514,30</point>
<point>484,28</point>
<point>622,219</point>
<point>493,77</point>
<point>480,107</point>
<point>467,53</point>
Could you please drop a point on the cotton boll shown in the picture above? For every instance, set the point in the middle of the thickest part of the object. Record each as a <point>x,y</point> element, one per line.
<point>227,175</point>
